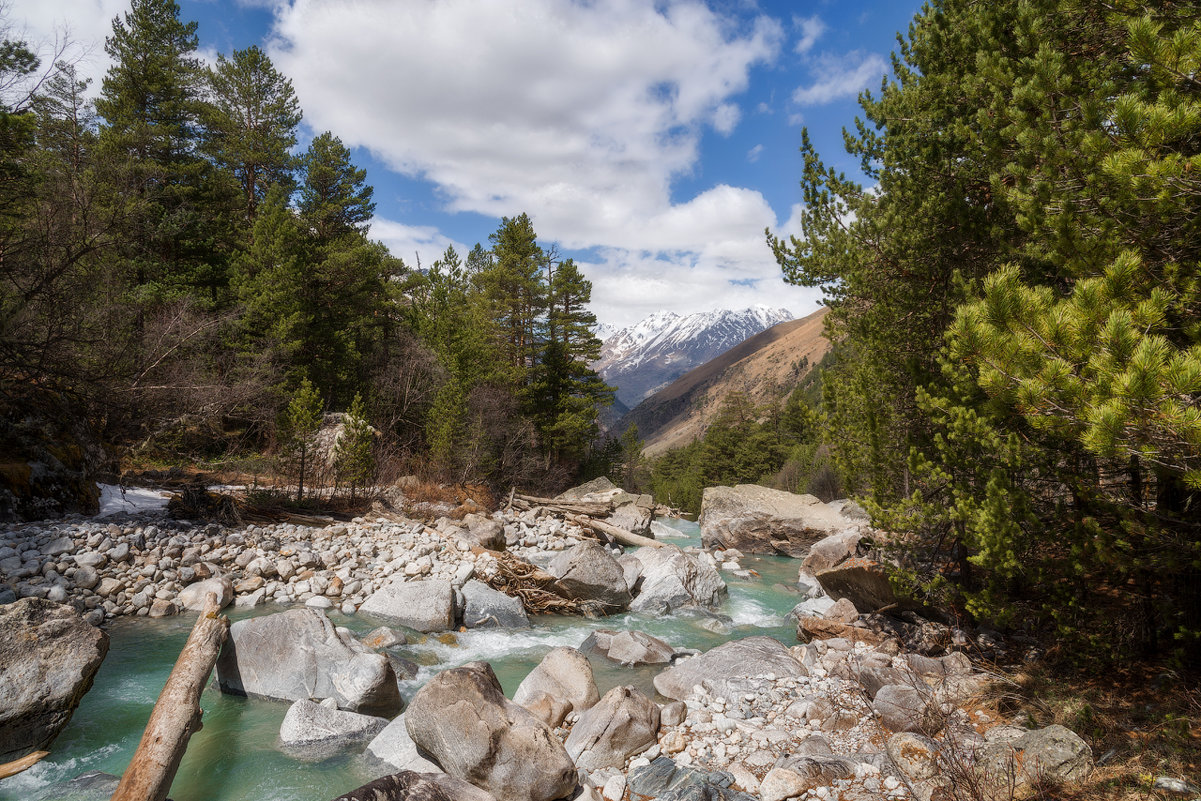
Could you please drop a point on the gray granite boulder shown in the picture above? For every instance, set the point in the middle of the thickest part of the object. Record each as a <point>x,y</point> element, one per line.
<point>831,550</point>
<point>862,581</point>
<point>589,572</point>
<point>307,723</point>
<point>1055,754</point>
<point>484,607</point>
<point>672,579</point>
<point>756,519</point>
<point>664,780</point>
<point>462,719</point>
<point>298,654</point>
<point>394,746</point>
<point>410,786</point>
<point>622,724</point>
<point>483,532</point>
<point>48,658</point>
<point>421,605</point>
<point>629,648</point>
<point>192,596</point>
<point>722,670</point>
<point>564,673</point>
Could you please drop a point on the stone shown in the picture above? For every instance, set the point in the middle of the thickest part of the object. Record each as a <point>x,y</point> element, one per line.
<point>192,596</point>
<point>720,669</point>
<point>462,719</point>
<point>163,607</point>
<point>298,654</point>
<point>563,673</point>
<point>91,786</point>
<point>90,559</point>
<point>384,637</point>
<point>614,788</point>
<point>843,611</point>
<point>756,519</point>
<point>666,780</point>
<point>903,708</point>
<point>484,607</point>
<point>816,628</point>
<point>1055,754</point>
<point>781,783</point>
<point>307,723</point>
<point>635,516</point>
<point>673,714</point>
<point>424,606</point>
<point>482,532</point>
<point>596,486</point>
<point>411,786</point>
<point>916,757</point>
<point>628,648</point>
<point>672,579</point>
<point>622,724</point>
<point>862,581</point>
<point>588,572</point>
<point>547,708</point>
<point>394,746</point>
<point>58,546</point>
<point>252,600</point>
<point>831,551</point>
<point>86,578</point>
<point>48,658</point>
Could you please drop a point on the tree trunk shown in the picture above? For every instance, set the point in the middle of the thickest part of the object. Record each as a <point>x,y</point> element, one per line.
<point>619,534</point>
<point>176,715</point>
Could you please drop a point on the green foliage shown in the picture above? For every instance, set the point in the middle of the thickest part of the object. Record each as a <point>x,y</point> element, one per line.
<point>335,199</point>
<point>354,458</point>
<point>299,424</point>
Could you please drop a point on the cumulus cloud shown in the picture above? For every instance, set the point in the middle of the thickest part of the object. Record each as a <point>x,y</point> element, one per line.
<point>73,31</point>
<point>811,29</point>
<point>414,243</point>
<point>840,76</point>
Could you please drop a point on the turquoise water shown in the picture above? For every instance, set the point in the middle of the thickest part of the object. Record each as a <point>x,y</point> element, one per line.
<point>237,756</point>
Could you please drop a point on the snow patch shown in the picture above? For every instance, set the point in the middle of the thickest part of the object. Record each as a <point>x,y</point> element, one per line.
<point>115,499</point>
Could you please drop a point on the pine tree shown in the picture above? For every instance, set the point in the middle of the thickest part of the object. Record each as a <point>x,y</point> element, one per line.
<point>300,423</point>
<point>354,457</point>
<point>334,197</point>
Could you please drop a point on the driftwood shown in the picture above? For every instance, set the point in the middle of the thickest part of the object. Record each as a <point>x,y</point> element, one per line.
<point>535,588</point>
<point>563,507</point>
<point>619,534</point>
<point>176,715</point>
<point>24,763</point>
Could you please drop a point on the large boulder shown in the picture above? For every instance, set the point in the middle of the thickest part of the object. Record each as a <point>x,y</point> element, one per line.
<point>830,551</point>
<point>634,513</point>
<point>298,654</point>
<point>756,519</point>
<point>565,674</point>
<point>307,723</point>
<point>483,532</point>
<point>722,670</point>
<point>596,486</point>
<point>410,786</point>
<point>484,607</point>
<point>588,572</point>
<point>628,648</point>
<point>462,719</point>
<point>192,596</point>
<point>862,581</point>
<point>672,578</point>
<point>48,658</point>
<point>422,605</point>
<point>1055,754</point>
<point>623,723</point>
<point>665,780</point>
<point>394,746</point>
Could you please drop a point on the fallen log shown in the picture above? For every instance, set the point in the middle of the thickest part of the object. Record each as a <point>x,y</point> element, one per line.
<point>24,763</point>
<point>563,507</point>
<point>619,534</point>
<point>176,715</point>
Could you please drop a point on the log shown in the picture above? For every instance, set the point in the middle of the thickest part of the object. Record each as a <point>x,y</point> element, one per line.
<point>24,763</point>
<point>563,507</point>
<point>176,715</point>
<point>619,534</point>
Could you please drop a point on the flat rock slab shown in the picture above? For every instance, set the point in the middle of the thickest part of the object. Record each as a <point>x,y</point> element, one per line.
<point>48,658</point>
<point>718,670</point>
<point>484,607</point>
<point>308,723</point>
<point>756,519</point>
<point>410,786</point>
<point>424,606</point>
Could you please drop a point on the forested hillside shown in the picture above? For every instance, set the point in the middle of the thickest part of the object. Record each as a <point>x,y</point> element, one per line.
<point>1015,298</point>
<point>175,273</point>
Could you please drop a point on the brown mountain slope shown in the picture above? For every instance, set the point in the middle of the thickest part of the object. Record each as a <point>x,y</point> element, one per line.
<point>767,366</point>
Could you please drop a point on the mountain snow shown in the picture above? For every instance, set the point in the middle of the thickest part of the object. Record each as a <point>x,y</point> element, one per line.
<point>654,352</point>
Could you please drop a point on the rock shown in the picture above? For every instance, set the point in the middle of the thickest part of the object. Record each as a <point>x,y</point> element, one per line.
<point>564,673</point>
<point>916,757</point>
<point>483,532</point>
<point>904,708</point>
<point>547,708</point>
<point>421,605</point>
<point>781,783</point>
<point>90,786</point>
<point>805,773</point>
<point>1171,784</point>
<point>589,572</point>
<point>665,780</point>
<point>843,611</point>
<point>484,607</point>
<point>831,551</point>
<point>673,714</point>
<point>622,724</point>
<point>384,637</point>
<point>635,516</point>
<point>394,746</point>
<point>720,669</point>
<point>1055,754</point>
<point>297,654</point>
<point>58,546</point>
<point>816,628</point>
<point>628,648</point>
<point>307,723</point>
<point>596,486</point>
<point>463,720</point>
<point>756,519</point>
<point>812,607</point>
<point>614,788</point>
<point>191,597</point>
<point>672,579</point>
<point>48,658</point>
<point>86,578</point>
<point>632,569</point>
<point>862,581</point>
<point>254,599</point>
<point>410,786</point>
<point>163,607</point>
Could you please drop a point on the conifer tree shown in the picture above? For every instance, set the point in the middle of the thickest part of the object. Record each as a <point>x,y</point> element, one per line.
<point>334,197</point>
<point>354,457</point>
<point>300,423</point>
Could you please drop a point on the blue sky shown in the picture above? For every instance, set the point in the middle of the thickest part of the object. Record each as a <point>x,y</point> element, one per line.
<point>653,143</point>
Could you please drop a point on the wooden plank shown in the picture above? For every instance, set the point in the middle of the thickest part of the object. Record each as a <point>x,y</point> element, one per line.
<point>176,715</point>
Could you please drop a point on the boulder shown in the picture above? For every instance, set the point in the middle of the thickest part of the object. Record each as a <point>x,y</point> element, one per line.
<point>672,579</point>
<point>421,605</point>
<point>91,786</point>
<point>384,637</point>
<point>1055,754</point>
<point>394,746</point>
<point>664,780</point>
<point>307,723</point>
<point>633,571</point>
<point>756,519</point>
<point>817,628</point>
<point>298,654</point>
<point>720,670</point>
<point>862,581</point>
<point>628,648</point>
<point>48,658</point>
<point>831,551</point>
<point>462,719</point>
<point>410,786</point>
<point>484,607</point>
<point>482,532</point>
<point>623,723</point>
<point>589,572</point>
<point>796,775</point>
<point>564,673</point>
<point>905,708</point>
<point>192,596</point>
<point>917,757</point>
<point>594,487</point>
<point>547,708</point>
<point>635,515</point>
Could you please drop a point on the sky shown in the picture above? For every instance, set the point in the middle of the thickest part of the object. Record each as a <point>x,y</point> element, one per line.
<point>651,142</point>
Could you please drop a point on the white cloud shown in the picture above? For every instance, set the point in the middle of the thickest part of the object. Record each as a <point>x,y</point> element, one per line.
<point>754,153</point>
<point>414,243</point>
<point>811,29</point>
<point>725,119</point>
<point>841,76</point>
<point>82,24</point>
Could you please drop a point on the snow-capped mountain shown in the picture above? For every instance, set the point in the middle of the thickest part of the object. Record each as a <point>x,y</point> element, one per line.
<point>654,352</point>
